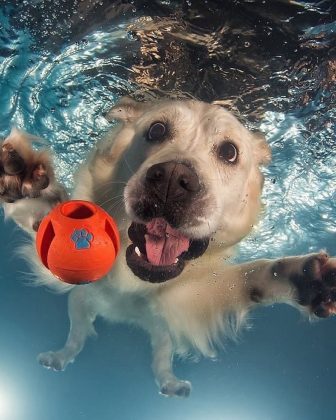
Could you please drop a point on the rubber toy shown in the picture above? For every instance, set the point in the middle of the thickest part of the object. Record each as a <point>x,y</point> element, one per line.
<point>78,242</point>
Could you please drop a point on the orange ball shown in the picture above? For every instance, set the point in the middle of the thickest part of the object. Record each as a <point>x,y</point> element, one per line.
<point>78,242</point>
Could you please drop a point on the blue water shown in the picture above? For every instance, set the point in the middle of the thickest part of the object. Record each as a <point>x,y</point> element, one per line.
<point>59,74</point>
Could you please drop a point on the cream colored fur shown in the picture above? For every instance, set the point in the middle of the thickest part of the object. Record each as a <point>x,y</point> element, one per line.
<point>210,299</point>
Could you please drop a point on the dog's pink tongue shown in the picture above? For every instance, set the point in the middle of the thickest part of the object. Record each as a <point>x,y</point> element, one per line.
<point>164,243</point>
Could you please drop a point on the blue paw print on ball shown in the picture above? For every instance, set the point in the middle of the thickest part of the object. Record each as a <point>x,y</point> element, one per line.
<point>82,238</point>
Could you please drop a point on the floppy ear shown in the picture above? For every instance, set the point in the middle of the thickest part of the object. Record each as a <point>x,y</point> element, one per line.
<point>126,109</point>
<point>262,150</point>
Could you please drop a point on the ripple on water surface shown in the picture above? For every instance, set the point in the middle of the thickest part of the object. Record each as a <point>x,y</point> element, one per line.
<point>274,66</point>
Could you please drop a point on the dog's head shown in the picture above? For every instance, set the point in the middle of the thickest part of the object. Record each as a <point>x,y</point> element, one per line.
<point>195,178</point>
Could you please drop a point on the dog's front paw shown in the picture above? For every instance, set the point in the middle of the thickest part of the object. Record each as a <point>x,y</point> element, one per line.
<point>23,171</point>
<point>37,180</point>
<point>176,388</point>
<point>52,360</point>
<point>316,285</point>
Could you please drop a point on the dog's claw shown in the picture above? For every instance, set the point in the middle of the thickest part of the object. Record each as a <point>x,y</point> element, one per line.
<point>50,360</point>
<point>176,388</point>
<point>21,177</point>
<point>316,285</point>
<point>12,162</point>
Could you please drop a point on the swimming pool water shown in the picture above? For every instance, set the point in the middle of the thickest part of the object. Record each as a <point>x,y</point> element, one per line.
<point>62,66</point>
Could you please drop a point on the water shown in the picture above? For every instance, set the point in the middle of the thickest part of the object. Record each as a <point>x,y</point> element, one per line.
<point>63,65</point>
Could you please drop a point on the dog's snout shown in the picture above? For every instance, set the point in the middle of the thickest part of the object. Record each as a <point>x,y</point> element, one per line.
<point>172,180</point>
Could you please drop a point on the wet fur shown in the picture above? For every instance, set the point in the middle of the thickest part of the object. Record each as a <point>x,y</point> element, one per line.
<point>210,299</point>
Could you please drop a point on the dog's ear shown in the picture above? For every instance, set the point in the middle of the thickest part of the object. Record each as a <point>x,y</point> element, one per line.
<point>262,150</point>
<point>126,109</point>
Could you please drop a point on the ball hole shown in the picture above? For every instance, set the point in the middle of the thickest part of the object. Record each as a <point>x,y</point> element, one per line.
<point>77,210</point>
<point>113,235</point>
<point>47,238</point>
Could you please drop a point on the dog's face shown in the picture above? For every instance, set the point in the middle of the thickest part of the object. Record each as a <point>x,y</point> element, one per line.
<point>196,177</point>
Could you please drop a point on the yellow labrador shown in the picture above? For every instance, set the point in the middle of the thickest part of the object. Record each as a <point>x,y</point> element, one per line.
<point>183,181</point>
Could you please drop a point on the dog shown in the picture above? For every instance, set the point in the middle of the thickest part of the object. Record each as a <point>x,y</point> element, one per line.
<point>183,180</point>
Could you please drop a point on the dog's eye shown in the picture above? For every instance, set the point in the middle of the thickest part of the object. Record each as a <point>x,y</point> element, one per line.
<point>157,132</point>
<point>228,152</point>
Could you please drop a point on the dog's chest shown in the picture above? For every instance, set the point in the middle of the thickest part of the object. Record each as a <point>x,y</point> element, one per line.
<point>118,306</point>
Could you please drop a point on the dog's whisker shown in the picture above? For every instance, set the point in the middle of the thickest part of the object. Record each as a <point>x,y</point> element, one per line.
<point>111,185</point>
<point>115,206</point>
<point>128,166</point>
<point>110,196</point>
<point>111,199</point>
<point>111,182</point>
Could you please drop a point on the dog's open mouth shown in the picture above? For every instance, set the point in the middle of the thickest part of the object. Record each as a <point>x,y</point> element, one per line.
<point>158,252</point>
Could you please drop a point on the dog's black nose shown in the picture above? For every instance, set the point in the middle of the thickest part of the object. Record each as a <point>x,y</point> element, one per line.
<point>173,180</point>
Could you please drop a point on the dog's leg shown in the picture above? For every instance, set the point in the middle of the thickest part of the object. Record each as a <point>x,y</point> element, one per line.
<point>168,384</point>
<point>206,307</point>
<point>308,282</point>
<point>82,316</point>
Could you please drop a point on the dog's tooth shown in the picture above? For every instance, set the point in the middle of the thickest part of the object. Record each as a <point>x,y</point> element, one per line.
<point>137,251</point>
<point>176,261</point>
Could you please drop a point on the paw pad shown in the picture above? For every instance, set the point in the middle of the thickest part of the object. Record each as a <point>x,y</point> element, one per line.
<point>176,388</point>
<point>82,238</point>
